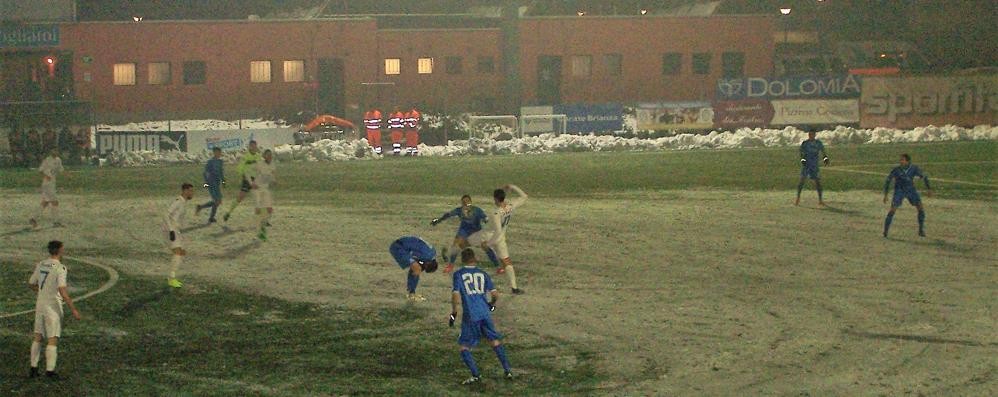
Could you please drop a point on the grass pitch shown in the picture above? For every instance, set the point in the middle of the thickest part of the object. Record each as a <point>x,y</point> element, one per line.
<point>646,274</point>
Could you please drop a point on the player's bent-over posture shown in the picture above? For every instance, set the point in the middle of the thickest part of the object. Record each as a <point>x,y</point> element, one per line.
<point>904,188</point>
<point>417,256</point>
<point>50,168</point>
<point>246,170</point>
<point>172,223</point>
<point>49,281</point>
<point>214,177</point>
<point>494,235</point>
<point>809,151</point>
<point>471,218</point>
<point>262,182</point>
<point>471,285</point>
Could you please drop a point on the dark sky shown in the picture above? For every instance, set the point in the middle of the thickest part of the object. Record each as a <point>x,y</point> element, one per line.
<point>952,33</point>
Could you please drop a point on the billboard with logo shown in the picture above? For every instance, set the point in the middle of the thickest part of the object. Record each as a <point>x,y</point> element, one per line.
<point>750,113</point>
<point>906,102</point>
<point>585,118</point>
<point>828,87</point>
<point>691,115</point>
<point>141,141</point>
<point>815,111</point>
<point>235,140</point>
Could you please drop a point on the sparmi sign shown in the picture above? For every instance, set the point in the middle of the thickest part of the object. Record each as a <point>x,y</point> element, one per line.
<point>29,36</point>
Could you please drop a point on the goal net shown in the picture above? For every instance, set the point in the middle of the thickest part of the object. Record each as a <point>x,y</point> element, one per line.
<point>536,124</point>
<point>493,127</point>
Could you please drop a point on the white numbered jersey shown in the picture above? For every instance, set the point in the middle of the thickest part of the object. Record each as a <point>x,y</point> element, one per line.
<point>499,219</point>
<point>49,275</point>
<point>174,219</point>
<point>51,167</point>
<point>265,174</point>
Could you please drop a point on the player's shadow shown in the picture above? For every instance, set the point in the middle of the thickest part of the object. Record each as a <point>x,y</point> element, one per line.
<point>236,252</point>
<point>196,227</point>
<point>840,211</point>
<point>24,230</point>
<point>226,231</point>
<point>137,303</point>
<point>918,338</point>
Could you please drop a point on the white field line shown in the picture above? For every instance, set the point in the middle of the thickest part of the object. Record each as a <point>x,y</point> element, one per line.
<point>112,280</point>
<point>934,178</point>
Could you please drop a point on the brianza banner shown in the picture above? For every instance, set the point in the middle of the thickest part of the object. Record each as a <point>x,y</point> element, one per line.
<point>907,102</point>
<point>132,141</point>
<point>674,115</point>
<point>815,111</point>
<point>744,113</point>
<point>592,118</point>
<point>235,140</point>
<point>847,86</point>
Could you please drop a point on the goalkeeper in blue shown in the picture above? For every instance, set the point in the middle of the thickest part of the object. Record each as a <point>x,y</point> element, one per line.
<point>809,152</point>
<point>904,188</point>
<point>472,217</point>
<point>417,256</point>
<point>214,177</point>
<point>471,285</point>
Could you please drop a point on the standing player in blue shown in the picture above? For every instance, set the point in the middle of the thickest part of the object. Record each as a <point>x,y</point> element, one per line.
<point>214,177</point>
<point>472,218</point>
<point>809,151</point>
<point>904,188</point>
<point>470,286</point>
<point>413,253</point>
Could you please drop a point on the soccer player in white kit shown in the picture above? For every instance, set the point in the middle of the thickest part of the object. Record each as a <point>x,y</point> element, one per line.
<point>494,234</point>
<point>50,168</point>
<point>261,183</point>
<point>49,281</point>
<point>172,223</point>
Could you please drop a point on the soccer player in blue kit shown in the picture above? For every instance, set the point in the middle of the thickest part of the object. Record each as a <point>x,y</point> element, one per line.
<point>809,151</point>
<point>472,218</point>
<point>471,285</point>
<point>904,188</point>
<point>413,253</point>
<point>214,177</point>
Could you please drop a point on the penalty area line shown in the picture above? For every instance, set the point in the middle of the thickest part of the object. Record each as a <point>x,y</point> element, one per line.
<point>934,178</point>
<point>111,281</point>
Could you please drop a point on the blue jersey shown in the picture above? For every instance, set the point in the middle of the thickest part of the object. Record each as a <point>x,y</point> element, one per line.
<point>810,150</point>
<point>471,217</point>
<point>473,284</point>
<point>409,249</point>
<point>904,179</point>
<point>213,174</point>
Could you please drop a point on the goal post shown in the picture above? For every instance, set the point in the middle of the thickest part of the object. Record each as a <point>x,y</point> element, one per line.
<point>491,127</point>
<point>534,124</point>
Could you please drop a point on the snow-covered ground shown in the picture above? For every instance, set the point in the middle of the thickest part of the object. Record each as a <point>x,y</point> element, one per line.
<point>328,150</point>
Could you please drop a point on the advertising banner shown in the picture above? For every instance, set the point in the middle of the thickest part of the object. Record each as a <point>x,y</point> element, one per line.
<point>744,113</point>
<point>592,118</point>
<point>132,141</point>
<point>907,102</point>
<point>830,87</point>
<point>815,111</point>
<point>674,115</point>
<point>235,140</point>
<point>28,36</point>
<point>536,125</point>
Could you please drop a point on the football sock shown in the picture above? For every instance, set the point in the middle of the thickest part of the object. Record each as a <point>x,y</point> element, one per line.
<point>887,222</point>
<point>492,256</point>
<point>50,356</point>
<point>205,205</point>
<point>501,353</point>
<point>174,265</point>
<point>512,276</point>
<point>817,185</point>
<point>36,353</point>
<point>411,283</point>
<point>214,209</point>
<point>454,250</point>
<point>470,362</point>
<point>921,220</point>
<point>800,187</point>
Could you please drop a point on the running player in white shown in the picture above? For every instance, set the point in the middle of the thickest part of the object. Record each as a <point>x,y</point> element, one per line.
<point>172,223</point>
<point>261,183</point>
<point>50,168</point>
<point>493,236</point>
<point>49,281</point>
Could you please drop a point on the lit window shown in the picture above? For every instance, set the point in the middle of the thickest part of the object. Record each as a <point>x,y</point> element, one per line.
<point>294,71</point>
<point>124,74</point>
<point>260,71</point>
<point>424,65</point>
<point>393,66</point>
<point>159,73</point>
<point>582,65</point>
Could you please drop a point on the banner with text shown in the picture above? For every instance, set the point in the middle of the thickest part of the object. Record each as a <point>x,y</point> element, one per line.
<point>815,111</point>
<point>592,117</point>
<point>235,140</point>
<point>692,115</point>
<point>745,113</point>
<point>141,141</point>
<point>832,87</point>
<point>907,102</point>
<point>28,36</point>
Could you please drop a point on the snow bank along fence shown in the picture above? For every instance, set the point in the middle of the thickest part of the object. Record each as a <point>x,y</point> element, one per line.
<point>190,141</point>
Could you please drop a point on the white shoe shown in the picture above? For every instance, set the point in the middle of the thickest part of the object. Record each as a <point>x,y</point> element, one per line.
<point>416,298</point>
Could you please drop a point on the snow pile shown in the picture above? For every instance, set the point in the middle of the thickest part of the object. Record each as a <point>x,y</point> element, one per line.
<point>337,150</point>
<point>194,125</point>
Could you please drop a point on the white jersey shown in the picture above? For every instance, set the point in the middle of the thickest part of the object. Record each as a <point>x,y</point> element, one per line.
<point>499,219</point>
<point>51,167</point>
<point>174,219</point>
<point>264,174</point>
<point>49,275</point>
